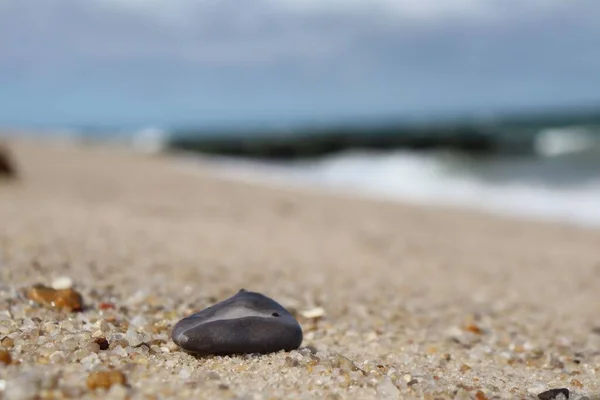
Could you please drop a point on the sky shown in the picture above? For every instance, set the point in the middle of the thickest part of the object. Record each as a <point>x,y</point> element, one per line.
<point>172,63</point>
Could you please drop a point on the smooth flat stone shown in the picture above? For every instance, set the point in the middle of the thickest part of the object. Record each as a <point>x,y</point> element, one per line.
<point>248,322</point>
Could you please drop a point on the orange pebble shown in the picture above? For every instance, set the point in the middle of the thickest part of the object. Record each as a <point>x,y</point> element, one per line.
<point>67,299</point>
<point>105,379</point>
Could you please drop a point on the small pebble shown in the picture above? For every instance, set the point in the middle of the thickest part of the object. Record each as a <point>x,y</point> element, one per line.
<point>90,361</point>
<point>247,322</point>
<point>117,392</point>
<point>473,329</point>
<point>102,343</point>
<point>138,321</point>
<point>344,363</point>
<point>184,374</point>
<point>7,167</point>
<point>133,337</point>
<point>62,283</point>
<point>554,394</point>
<point>480,395</point>
<point>119,351</point>
<point>387,390</point>
<point>105,379</point>
<point>313,313</point>
<point>106,306</point>
<point>5,357</point>
<point>67,299</point>
<point>7,342</point>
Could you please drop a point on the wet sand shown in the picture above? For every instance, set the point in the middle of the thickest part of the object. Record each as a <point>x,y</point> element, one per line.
<point>419,302</point>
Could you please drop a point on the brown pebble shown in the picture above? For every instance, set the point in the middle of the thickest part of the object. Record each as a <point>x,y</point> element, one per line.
<point>576,383</point>
<point>464,368</point>
<point>480,395</point>
<point>553,393</point>
<point>102,343</point>
<point>5,357</point>
<point>473,329</point>
<point>290,362</point>
<point>106,306</point>
<point>465,387</point>
<point>67,299</point>
<point>7,342</point>
<point>105,379</point>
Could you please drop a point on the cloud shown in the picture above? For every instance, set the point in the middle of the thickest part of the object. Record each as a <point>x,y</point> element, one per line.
<point>178,11</point>
<point>230,32</point>
<point>295,54</point>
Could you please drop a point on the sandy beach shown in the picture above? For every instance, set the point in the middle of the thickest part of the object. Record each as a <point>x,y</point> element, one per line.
<point>417,302</point>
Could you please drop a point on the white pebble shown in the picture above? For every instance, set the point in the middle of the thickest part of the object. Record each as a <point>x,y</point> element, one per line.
<point>387,390</point>
<point>172,346</point>
<point>90,361</point>
<point>184,374</point>
<point>67,326</point>
<point>62,282</point>
<point>316,312</point>
<point>117,392</point>
<point>28,324</point>
<point>137,298</point>
<point>119,351</point>
<point>454,333</point>
<point>139,321</point>
<point>133,337</point>
<point>102,325</point>
<point>57,357</point>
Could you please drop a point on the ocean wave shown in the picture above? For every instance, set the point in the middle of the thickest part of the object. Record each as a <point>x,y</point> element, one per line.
<point>556,189</point>
<point>568,140</point>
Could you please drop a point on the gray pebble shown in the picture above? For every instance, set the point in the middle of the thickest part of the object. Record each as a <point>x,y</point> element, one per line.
<point>248,322</point>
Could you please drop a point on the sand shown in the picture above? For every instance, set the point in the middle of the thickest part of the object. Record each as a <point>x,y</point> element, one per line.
<point>418,302</point>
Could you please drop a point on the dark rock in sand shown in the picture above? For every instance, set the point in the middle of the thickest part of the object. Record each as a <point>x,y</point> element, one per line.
<point>553,394</point>
<point>7,166</point>
<point>248,322</point>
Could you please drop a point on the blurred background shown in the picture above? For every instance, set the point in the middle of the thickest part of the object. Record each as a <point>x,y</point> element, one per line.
<point>488,104</point>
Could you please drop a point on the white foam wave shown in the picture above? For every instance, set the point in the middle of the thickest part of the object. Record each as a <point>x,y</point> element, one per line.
<point>560,141</point>
<point>431,179</point>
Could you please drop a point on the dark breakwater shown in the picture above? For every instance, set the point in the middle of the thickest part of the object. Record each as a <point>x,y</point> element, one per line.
<point>514,134</point>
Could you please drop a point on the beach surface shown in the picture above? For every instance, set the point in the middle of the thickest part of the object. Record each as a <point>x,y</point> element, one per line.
<point>396,301</point>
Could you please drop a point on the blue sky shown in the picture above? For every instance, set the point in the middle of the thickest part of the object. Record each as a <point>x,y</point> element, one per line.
<point>201,62</point>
